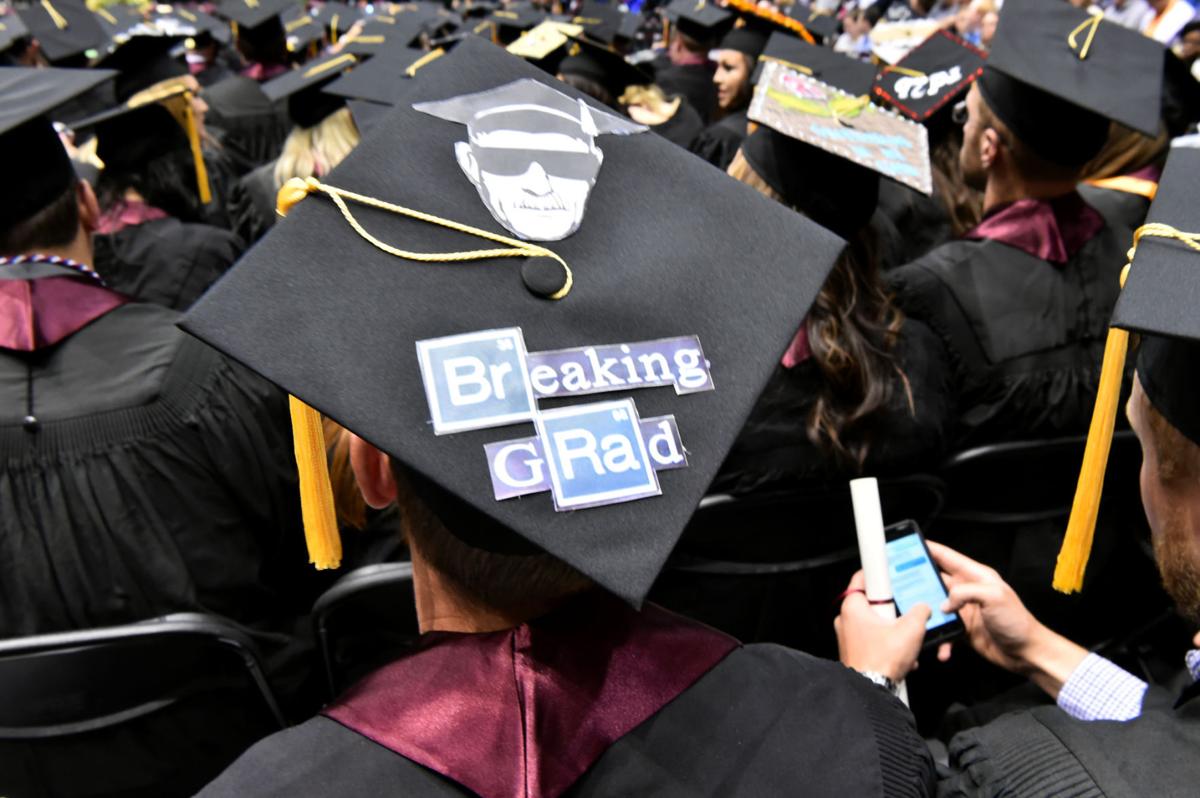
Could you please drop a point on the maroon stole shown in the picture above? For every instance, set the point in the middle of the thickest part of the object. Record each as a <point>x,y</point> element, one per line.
<point>526,711</point>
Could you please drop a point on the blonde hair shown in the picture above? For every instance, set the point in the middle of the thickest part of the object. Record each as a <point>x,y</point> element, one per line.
<point>1127,151</point>
<point>314,151</point>
<point>649,105</point>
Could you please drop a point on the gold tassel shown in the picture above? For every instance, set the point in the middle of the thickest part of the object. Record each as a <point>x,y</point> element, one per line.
<point>193,134</point>
<point>1077,543</point>
<point>316,492</point>
<point>1081,528</point>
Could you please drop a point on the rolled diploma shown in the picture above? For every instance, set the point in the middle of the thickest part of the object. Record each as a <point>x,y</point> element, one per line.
<point>872,550</point>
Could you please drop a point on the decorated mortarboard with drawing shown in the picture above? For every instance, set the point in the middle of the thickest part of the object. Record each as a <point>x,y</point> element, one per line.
<point>930,77</point>
<point>805,108</point>
<point>586,416</point>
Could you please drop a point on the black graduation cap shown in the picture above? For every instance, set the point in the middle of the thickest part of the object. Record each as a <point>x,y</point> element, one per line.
<point>302,87</point>
<point>301,28</point>
<point>337,18</point>
<point>840,71</point>
<point>118,20</point>
<point>12,30</point>
<point>511,22</point>
<point>156,121</point>
<point>253,13</point>
<point>393,32</point>
<point>38,169</point>
<point>63,28</point>
<point>749,39</point>
<point>142,61</point>
<point>1077,57</point>
<point>387,77</point>
<point>817,114</point>
<point>191,22</point>
<point>367,115</point>
<point>1159,299</point>
<point>701,20</point>
<point>640,275</point>
<point>603,65</point>
<point>600,21</point>
<point>820,24</point>
<point>931,76</point>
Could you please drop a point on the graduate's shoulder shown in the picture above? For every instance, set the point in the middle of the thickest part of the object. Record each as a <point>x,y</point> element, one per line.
<point>321,757</point>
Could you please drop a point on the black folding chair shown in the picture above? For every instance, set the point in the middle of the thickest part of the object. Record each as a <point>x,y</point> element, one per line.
<point>152,708</point>
<point>769,568</point>
<point>367,618</point>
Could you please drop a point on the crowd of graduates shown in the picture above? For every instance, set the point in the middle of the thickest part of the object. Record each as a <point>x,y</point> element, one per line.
<point>249,251</point>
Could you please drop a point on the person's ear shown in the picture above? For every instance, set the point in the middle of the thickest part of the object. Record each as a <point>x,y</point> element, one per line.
<point>373,473</point>
<point>466,160</point>
<point>989,147</point>
<point>89,206</point>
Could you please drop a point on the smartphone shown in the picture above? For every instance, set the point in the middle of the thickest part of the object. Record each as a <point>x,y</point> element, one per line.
<point>915,580</point>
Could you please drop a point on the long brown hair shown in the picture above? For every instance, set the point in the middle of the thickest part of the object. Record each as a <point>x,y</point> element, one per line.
<point>853,330</point>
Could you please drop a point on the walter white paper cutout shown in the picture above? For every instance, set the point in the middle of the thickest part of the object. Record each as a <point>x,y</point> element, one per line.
<point>531,153</point>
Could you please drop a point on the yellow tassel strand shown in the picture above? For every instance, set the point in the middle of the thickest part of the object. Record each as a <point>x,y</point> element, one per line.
<point>316,492</point>
<point>58,19</point>
<point>1090,24</point>
<point>193,133</point>
<point>297,189</point>
<point>430,56</point>
<point>1081,528</point>
<point>1077,542</point>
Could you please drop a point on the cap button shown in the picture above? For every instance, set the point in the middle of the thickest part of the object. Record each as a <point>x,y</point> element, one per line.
<point>30,423</point>
<point>544,277</point>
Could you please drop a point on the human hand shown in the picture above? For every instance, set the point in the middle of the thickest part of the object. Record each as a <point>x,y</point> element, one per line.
<point>869,642</point>
<point>999,626</point>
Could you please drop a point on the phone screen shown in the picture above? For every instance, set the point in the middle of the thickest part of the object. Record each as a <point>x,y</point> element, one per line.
<point>915,578</point>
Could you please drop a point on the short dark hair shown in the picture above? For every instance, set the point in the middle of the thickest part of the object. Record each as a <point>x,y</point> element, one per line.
<point>1028,162</point>
<point>490,579</point>
<point>55,225</point>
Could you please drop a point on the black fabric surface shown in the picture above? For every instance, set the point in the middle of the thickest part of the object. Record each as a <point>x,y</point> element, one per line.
<point>683,126</point>
<point>252,204</point>
<point>694,82</point>
<point>1044,752</point>
<point>773,451</point>
<point>1024,337</point>
<point>165,261</point>
<point>765,721</point>
<point>160,479</point>
<point>719,142</point>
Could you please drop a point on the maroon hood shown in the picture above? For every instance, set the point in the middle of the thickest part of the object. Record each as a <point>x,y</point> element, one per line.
<point>1053,230</point>
<point>40,311</point>
<point>525,712</point>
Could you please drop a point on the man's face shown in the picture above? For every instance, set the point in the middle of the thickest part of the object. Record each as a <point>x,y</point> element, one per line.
<point>1171,513</point>
<point>970,157</point>
<point>535,184</point>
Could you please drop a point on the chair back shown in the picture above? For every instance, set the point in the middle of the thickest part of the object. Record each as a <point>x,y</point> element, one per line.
<point>158,707</point>
<point>367,618</point>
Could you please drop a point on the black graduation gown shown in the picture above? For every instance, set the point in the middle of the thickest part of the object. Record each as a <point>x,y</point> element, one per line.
<point>157,478</point>
<point>253,203</point>
<point>916,223</point>
<point>1044,752</point>
<point>165,261</point>
<point>605,702</point>
<point>250,128</point>
<point>773,451</point>
<point>719,142</point>
<point>1024,335</point>
<point>693,81</point>
<point>683,126</point>
<point>1127,208</point>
